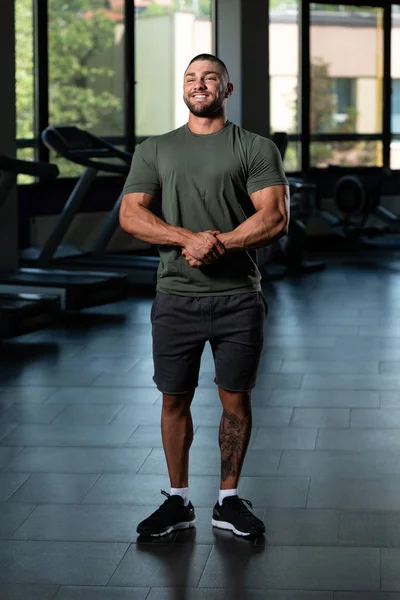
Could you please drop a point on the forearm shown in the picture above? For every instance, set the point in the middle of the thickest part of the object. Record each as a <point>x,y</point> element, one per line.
<point>142,224</point>
<point>258,231</point>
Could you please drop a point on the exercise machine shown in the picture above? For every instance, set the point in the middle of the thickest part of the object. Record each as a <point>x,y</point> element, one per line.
<point>24,313</point>
<point>358,212</point>
<point>287,256</point>
<point>75,289</point>
<point>96,155</point>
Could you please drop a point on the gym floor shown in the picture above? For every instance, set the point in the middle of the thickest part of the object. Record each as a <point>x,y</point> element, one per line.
<point>81,460</point>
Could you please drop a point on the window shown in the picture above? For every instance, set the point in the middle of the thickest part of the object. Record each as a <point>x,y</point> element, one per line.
<point>344,98</point>
<point>395,116</point>
<point>86,67</point>
<point>168,34</point>
<point>24,72</point>
<point>88,86</point>
<point>284,74</point>
<point>346,82</point>
<point>395,125</point>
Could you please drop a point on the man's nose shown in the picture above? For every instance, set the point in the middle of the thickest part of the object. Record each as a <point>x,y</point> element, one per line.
<point>200,85</point>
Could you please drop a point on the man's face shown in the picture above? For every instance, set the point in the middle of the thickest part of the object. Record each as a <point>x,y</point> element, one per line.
<point>205,88</point>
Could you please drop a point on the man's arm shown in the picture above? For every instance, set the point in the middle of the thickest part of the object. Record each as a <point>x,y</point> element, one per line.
<point>268,224</point>
<point>136,218</point>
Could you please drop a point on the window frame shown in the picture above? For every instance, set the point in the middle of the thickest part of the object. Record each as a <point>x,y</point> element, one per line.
<point>305,74</point>
<point>41,82</point>
<point>129,140</point>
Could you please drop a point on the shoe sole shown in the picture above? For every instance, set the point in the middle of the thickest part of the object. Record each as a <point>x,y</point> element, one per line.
<point>176,527</point>
<point>230,527</point>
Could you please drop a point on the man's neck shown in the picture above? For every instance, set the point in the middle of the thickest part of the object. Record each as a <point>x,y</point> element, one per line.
<point>205,126</point>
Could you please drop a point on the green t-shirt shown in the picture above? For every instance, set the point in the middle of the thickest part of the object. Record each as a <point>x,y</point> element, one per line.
<point>204,182</point>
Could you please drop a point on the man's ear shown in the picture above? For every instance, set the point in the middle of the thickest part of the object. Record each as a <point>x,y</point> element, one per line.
<point>229,90</point>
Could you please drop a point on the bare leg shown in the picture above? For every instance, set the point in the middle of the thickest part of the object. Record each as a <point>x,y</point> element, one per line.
<point>177,436</point>
<point>234,435</point>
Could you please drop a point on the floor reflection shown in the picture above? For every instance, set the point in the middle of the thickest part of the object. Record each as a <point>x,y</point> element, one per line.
<point>234,555</point>
<point>177,563</point>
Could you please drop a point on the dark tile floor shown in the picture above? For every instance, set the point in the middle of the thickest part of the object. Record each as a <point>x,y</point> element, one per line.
<point>81,460</point>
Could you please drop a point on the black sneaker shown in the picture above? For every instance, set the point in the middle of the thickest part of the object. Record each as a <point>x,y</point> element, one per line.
<point>234,515</point>
<point>171,515</point>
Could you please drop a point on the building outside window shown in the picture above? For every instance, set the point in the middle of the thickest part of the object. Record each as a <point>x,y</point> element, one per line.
<point>346,73</point>
<point>396,105</point>
<point>395,65</point>
<point>344,98</point>
<point>86,72</point>
<point>168,34</point>
<point>284,74</point>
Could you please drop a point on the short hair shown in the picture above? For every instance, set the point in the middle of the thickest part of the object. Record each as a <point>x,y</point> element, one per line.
<point>211,58</point>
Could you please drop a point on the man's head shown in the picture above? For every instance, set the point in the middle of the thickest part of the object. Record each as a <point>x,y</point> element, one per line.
<point>206,86</point>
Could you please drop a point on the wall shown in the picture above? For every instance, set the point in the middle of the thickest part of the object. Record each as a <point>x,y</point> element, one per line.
<point>368,119</point>
<point>353,56</point>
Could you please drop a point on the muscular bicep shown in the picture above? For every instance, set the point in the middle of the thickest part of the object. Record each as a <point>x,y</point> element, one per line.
<point>131,202</point>
<point>130,205</point>
<point>274,199</point>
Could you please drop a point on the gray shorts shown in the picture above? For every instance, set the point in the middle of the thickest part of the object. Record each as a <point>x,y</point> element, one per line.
<point>181,325</point>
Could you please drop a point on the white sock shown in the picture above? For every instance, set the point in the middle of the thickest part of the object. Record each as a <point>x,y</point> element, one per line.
<point>182,492</point>
<point>225,493</point>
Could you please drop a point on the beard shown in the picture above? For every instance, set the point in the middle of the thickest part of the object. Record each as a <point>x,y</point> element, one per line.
<point>207,111</point>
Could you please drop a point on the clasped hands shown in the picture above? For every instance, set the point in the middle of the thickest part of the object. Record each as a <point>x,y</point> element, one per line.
<point>203,248</point>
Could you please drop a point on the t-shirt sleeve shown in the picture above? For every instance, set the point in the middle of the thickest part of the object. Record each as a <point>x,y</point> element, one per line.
<point>143,175</point>
<point>265,166</point>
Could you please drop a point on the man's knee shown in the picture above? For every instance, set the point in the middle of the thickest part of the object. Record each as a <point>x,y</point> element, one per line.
<point>177,403</point>
<point>235,401</point>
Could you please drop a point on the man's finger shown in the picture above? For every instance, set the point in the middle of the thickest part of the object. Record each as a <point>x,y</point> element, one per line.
<point>217,244</point>
<point>193,262</point>
<point>221,248</point>
<point>213,255</point>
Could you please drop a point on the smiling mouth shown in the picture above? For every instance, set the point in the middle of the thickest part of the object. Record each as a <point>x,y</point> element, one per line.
<point>200,96</point>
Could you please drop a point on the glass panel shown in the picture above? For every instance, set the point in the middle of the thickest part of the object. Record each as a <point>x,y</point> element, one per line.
<point>24,68</point>
<point>395,65</point>
<point>66,167</point>
<point>346,154</point>
<point>292,157</point>
<point>284,67</point>
<point>86,62</point>
<point>346,81</point>
<point>25,154</point>
<point>168,34</point>
<point>346,78</point>
<point>395,122</point>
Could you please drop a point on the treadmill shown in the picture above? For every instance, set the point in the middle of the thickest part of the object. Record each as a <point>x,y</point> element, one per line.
<point>96,155</point>
<point>75,290</point>
<point>24,313</point>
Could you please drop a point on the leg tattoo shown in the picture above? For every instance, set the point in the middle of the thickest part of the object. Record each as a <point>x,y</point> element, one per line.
<point>234,435</point>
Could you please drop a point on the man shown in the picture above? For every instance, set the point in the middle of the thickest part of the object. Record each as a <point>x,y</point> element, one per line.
<point>223,194</point>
